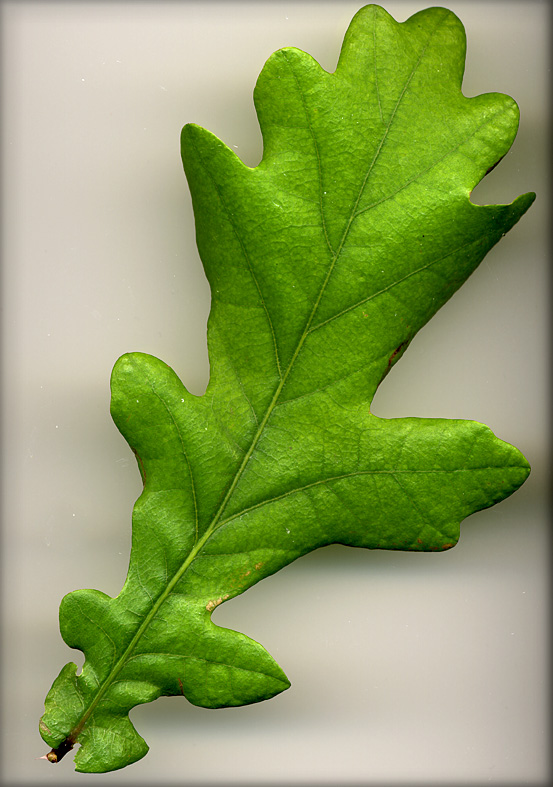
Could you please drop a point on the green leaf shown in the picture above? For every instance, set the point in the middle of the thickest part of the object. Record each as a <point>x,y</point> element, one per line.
<point>324,261</point>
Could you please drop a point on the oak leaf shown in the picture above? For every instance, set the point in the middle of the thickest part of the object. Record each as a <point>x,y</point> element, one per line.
<point>324,261</point>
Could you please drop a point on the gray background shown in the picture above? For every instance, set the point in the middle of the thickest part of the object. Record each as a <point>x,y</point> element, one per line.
<point>404,667</point>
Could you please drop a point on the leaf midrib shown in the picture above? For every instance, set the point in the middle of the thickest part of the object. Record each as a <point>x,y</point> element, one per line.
<point>110,679</point>
<point>335,256</point>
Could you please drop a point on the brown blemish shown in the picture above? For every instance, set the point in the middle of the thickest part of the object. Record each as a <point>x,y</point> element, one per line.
<point>210,606</point>
<point>45,728</point>
<point>140,467</point>
<point>396,352</point>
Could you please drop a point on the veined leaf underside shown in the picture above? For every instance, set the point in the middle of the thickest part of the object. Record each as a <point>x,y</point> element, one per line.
<point>282,455</point>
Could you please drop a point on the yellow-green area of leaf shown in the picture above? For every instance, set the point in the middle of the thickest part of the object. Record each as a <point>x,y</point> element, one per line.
<point>324,261</point>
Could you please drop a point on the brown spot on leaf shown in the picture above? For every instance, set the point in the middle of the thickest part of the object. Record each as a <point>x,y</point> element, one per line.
<point>396,352</point>
<point>140,467</point>
<point>210,606</point>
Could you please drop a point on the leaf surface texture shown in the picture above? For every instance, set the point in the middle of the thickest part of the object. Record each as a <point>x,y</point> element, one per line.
<point>324,261</point>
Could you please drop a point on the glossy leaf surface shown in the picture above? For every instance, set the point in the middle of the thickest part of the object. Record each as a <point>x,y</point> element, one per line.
<point>324,261</point>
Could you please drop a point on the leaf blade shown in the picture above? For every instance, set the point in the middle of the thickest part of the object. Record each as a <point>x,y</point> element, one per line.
<point>321,275</point>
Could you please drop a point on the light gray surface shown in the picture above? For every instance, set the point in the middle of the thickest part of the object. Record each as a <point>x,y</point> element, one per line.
<point>404,667</point>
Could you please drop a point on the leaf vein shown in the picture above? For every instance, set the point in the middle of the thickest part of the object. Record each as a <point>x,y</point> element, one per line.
<point>397,282</point>
<point>355,474</point>
<point>317,152</point>
<point>246,256</point>
<point>185,455</point>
